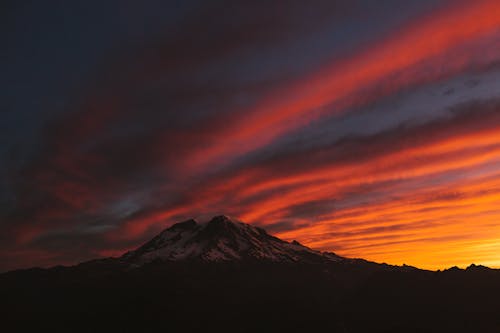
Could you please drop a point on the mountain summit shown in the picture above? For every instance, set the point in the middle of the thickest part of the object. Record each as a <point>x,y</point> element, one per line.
<point>222,239</point>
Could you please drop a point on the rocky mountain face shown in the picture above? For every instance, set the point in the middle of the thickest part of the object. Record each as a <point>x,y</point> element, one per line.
<point>220,240</point>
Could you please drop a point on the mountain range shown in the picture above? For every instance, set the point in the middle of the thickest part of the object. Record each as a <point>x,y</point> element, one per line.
<point>228,276</point>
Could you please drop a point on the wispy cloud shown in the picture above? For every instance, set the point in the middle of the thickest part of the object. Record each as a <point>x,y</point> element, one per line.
<point>384,146</point>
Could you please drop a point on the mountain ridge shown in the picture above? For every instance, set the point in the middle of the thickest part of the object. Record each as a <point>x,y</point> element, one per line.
<point>308,292</point>
<point>294,251</point>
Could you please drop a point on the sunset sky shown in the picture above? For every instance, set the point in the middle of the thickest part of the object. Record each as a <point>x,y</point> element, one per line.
<point>370,128</point>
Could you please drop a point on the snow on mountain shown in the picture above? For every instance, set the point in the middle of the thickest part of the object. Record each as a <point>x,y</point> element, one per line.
<point>222,239</point>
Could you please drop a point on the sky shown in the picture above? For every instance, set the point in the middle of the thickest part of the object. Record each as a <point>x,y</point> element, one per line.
<point>370,128</point>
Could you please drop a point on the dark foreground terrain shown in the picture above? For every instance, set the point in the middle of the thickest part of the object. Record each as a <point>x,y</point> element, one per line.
<point>313,292</point>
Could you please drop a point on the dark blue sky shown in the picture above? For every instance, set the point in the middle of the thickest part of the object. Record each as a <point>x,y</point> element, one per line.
<point>120,118</point>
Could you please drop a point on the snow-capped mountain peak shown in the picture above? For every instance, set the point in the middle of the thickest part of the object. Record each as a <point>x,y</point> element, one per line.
<point>221,239</point>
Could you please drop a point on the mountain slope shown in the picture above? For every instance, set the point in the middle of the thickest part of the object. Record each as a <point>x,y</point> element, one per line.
<point>222,239</point>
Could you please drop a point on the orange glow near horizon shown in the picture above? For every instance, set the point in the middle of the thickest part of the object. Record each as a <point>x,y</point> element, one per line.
<point>431,203</point>
<point>424,191</point>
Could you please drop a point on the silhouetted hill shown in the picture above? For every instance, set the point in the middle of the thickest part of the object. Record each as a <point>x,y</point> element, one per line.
<point>290,288</point>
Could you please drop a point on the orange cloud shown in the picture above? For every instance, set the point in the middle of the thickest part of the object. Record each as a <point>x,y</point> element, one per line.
<point>422,195</point>
<point>426,196</point>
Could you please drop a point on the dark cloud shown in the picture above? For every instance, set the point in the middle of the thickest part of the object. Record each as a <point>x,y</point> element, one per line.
<point>121,120</point>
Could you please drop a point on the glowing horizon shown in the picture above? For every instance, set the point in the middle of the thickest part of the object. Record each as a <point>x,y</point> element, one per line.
<point>373,135</point>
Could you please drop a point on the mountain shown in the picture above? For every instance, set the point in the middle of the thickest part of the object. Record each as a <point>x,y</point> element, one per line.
<point>222,239</point>
<point>227,276</point>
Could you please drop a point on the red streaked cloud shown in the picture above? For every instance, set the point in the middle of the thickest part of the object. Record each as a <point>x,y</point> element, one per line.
<point>367,198</point>
<point>163,138</point>
<point>428,49</point>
